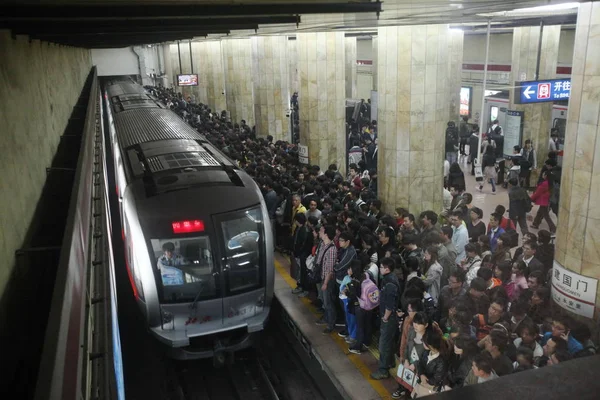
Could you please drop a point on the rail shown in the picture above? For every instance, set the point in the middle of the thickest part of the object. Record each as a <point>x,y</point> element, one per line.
<point>78,356</point>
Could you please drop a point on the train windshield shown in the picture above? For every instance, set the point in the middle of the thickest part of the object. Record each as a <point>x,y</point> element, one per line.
<point>185,269</point>
<point>242,234</point>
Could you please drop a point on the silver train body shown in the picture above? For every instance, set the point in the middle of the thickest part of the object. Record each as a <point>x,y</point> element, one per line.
<point>198,241</point>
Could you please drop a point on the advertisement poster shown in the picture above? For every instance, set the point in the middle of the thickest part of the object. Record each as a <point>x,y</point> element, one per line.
<point>187,80</point>
<point>465,101</point>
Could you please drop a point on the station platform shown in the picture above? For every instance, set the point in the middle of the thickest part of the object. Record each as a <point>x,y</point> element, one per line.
<point>348,372</point>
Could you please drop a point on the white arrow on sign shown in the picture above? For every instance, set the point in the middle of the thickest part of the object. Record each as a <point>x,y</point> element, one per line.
<point>528,92</point>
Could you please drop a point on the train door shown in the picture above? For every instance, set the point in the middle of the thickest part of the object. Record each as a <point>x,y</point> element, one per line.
<point>242,245</point>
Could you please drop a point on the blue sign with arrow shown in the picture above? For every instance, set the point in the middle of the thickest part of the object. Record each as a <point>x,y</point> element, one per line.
<point>542,91</point>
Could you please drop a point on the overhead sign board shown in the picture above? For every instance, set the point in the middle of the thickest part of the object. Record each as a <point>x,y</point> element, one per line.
<point>542,91</point>
<point>574,292</point>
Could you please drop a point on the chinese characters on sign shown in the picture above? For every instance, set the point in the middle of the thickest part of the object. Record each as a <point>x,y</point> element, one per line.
<point>303,154</point>
<point>574,292</point>
<point>542,91</point>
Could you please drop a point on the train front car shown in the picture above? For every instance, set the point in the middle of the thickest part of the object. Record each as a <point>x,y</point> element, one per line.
<point>198,242</point>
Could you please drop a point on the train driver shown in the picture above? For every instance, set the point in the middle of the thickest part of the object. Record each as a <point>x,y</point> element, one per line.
<point>167,262</point>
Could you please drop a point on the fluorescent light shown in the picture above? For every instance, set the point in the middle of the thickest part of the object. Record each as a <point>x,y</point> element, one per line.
<point>550,7</point>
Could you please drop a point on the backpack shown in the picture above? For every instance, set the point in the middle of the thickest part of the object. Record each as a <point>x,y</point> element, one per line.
<point>483,329</point>
<point>372,294</point>
<point>315,274</point>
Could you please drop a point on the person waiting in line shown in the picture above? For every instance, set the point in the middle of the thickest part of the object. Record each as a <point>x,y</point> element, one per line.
<point>530,260</point>
<point>518,316</point>
<point>413,347</point>
<point>496,313</point>
<point>456,178</point>
<point>488,276</point>
<point>475,227</point>
<point>477,299</point>
<point>486,253</point>
<point>528,237</point>
<point>464,133</point>
<point>518,281</point>
<point>496,345</point>
<point>349,293</point>
<point>346,254</point>
<point>541,197</point>
<point>428,225</point>
<point>368,301</point>
<point>465,351</point>
<point>325,260</point>
<point>545,250</point>
<point>561,329</point>
<point>525,360</point>
<point>527,333</point>
<point>433,366</point>
<point>433,273</point>
<point>481,370</point>
<point>494,231</point>
<point>460,235</point>
<point>389,323</point>
<point>472,262</point>
<point>451,292</point>
<point>301,240</point>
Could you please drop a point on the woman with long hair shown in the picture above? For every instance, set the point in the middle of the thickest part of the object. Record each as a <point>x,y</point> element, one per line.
<point>433,366</point>
<point>433,273</point>
<point>465,349</point>
<point>541,197</point>
<point>486,253</point>
<point>489,169</point>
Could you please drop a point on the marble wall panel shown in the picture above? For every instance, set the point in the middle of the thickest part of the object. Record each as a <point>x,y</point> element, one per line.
<point>350,65</point>
<point>322,92</point>
<point>578,236</point>
<point>414,100</point>
<point>239,87</point>
<point>538,117</point>
<point>271,80</point>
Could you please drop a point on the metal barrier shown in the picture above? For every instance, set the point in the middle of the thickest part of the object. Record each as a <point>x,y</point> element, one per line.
<point>77,358</point>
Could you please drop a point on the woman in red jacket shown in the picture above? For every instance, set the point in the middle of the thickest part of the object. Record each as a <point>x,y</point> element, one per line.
<point>541,197</point>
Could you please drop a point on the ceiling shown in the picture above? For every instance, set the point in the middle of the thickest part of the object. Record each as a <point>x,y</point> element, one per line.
<point>120,23</point>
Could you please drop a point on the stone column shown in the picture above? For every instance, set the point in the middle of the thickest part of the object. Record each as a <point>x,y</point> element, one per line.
<point>455,61</point>
<point>351,78</point>
<point>168,67</point>
<point>412,64</point>
<point>538,117</point>
<point>200,61</point>
<point>322,97</point>
<point>293,66</point>
<point>578,234</point>
<point>237,64</point>
<point>270,66</point>
<point>374,63</point>
<point>208,64</point>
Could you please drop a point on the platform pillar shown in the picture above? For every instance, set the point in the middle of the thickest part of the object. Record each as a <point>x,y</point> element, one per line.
<point>374,62</point>
<point>237,66</point>
<point>350,43</point>
<point>538,117</point>
<point>322,97</point>
<point>167,80</point>
<point>270,66</point>
<point>293,65</point>
<point>208,63</point>
<point>455,62</point>
<point>578,234</point>
<point>412,64</point>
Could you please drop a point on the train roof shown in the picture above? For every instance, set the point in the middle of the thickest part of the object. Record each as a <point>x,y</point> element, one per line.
<point>163,151</point>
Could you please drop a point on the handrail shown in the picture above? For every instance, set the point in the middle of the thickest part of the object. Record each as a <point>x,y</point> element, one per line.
<point>62,358</point>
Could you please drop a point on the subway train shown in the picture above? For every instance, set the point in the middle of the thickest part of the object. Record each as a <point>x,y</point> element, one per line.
<point>197,237</point>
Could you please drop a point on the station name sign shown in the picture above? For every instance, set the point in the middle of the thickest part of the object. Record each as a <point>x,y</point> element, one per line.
<point>542,91</point>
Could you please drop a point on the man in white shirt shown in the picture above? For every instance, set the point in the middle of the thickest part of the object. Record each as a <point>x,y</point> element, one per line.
<point>460,236</point>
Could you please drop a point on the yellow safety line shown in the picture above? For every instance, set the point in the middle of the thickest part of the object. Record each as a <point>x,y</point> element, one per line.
<point>354,358</point>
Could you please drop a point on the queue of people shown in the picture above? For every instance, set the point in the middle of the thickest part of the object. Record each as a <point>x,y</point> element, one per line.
<point>453,301</point>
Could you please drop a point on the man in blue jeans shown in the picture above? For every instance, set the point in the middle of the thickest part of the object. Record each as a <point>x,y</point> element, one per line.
<point>389,324</point>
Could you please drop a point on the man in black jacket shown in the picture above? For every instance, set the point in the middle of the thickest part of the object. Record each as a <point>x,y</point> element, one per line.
<point>519,204</point>
<point>389,325</point>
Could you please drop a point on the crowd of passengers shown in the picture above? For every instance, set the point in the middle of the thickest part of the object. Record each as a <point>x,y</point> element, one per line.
<point>454,299</point>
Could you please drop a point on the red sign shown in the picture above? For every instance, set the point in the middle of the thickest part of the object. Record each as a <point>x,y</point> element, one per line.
<point>543,91</point>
